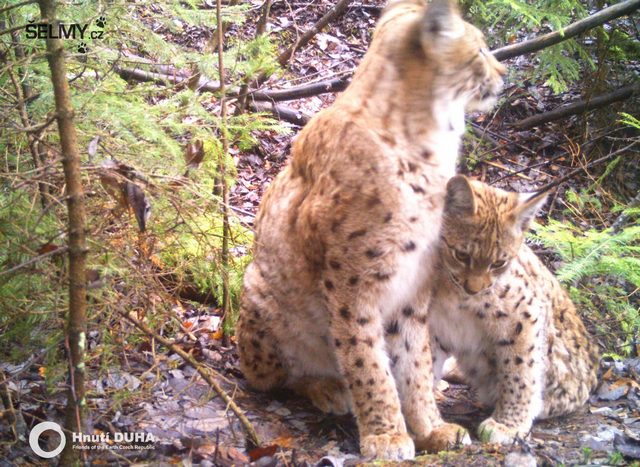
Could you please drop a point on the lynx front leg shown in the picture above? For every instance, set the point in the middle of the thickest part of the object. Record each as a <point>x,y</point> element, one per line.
<point>411,361</point>
<point>359,342</point>
<point>520,371</point>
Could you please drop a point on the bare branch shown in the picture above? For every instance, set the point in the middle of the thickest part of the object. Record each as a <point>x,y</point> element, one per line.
<point>550,186</point>
<point>547,40</point>
<point>304,39</point>
<point>579,107</point>
<point>282,113</point>
<point>57,251</point>
<point>17,5</point>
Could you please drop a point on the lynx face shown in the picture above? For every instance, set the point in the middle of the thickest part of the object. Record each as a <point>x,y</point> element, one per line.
<point>483,229</point>
<point>460,51</point>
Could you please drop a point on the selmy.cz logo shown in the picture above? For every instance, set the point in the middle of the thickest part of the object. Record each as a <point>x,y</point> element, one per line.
<point>101,441</point>
<point>82,32</point>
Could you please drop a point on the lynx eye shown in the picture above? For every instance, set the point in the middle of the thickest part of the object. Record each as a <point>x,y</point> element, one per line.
<point>498,264</point>
<point>462,256</point>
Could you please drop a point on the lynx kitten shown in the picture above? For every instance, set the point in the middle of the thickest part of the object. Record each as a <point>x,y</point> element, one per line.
<point>511,327</point>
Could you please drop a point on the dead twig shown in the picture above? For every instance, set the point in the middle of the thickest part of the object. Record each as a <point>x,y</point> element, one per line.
<point>205,85</point>
<point>9,413</point>
<point>17,5</point>
<point>207,374</point>
<point>304,39</point>
<point>57,251</point>
<point>574,172</point>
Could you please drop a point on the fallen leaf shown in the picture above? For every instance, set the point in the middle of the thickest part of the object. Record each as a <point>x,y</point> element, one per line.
<point>259,452</point>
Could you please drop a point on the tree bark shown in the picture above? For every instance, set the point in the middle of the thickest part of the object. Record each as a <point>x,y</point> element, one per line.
<point>547,40</point>
<point>76,318</point>
<point>226,298</point>
<point>578,107</point>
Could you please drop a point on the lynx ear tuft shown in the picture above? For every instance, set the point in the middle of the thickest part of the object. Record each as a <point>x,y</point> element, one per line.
<point>459,201</point>
<point>528,206</point>
<point>442,21</point>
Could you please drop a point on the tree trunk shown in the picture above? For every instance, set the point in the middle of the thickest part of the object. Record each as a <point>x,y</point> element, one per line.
<point>224,136</point>
<point>76,318</point>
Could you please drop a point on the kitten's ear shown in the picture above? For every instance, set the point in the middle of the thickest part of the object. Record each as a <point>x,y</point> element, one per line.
<point>459,201</point>
<point>528,206</point>
<point>442,21</point>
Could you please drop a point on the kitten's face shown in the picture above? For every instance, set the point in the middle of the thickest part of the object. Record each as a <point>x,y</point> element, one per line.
<point>483,229</point>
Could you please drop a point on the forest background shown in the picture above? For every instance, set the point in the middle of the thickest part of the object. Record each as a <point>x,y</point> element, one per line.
<point>126,223</point>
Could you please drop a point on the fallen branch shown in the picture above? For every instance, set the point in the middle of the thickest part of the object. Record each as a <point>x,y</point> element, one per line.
<point>137,74</point>
<point>207,374</point>
<point>304,39</point>
<point>304,90</point>
<point>206,85</point>
<point>578,107</point>
<point>547,40</point>
<point>282,113</point>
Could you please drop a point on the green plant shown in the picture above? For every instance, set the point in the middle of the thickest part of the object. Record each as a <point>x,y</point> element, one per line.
<point>615,458</point>
<point>586,454</point>
<point>602,271</point>
<point>143,126</point>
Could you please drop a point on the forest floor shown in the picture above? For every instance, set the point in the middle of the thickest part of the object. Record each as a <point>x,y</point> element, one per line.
<point>167,398</point>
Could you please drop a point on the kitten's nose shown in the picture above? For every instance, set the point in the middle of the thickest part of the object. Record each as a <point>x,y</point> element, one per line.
<point>476,284</point>
<point>469,289</point>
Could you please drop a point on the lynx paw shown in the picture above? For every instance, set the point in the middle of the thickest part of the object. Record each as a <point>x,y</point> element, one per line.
<point>491,431</point>
<point>329,395</point>
<point>444,437</point>
<point>388,446</point>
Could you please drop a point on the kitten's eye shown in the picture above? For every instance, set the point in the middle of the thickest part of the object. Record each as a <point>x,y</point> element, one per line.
<point>462,256</point>
<point>498,264</point>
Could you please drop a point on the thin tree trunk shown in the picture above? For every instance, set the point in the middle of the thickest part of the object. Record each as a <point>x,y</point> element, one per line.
<point>226,299</point>
<point>76,318</point>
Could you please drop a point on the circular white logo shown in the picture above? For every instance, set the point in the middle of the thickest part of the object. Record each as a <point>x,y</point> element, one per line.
<point>34,436</point>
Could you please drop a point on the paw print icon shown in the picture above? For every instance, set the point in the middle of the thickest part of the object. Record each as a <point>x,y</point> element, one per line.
<point>82,48</point>
<point>101,22</point>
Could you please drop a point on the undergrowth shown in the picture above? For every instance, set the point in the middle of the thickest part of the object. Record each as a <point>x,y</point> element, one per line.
<point>601,264</point>
<point>144,128</point>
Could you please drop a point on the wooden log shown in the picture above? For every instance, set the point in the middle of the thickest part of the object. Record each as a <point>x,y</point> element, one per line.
<point>578,107</point>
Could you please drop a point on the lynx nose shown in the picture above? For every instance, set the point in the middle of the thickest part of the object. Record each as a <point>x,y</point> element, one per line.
<point>469,290</point>
<point>473,285</point>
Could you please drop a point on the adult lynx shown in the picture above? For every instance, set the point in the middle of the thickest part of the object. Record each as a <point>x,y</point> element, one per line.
<point>335,300</point>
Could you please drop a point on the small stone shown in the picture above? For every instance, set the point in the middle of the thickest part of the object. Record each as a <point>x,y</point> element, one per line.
<point>520,459</point>
<point>613,391</point>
